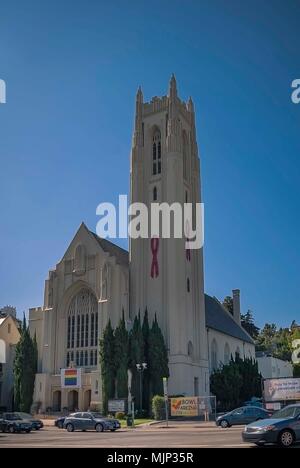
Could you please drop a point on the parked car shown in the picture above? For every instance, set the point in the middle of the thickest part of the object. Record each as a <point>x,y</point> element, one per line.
<point>59,422</point>
<point>241,416</point>
<point>282,429</point>
<point>90,421</point>
<point>37,424</point>
<point>14,424</point>
<point>3,424</point>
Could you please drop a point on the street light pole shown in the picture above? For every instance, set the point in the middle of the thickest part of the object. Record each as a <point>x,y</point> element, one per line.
<point>141,368</point>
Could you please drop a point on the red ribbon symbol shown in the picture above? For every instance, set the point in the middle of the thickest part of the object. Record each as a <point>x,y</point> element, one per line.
<point>188,250</point>
<point>154,250</point>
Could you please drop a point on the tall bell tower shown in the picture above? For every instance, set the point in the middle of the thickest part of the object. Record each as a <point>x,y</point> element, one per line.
<point>165,278</point>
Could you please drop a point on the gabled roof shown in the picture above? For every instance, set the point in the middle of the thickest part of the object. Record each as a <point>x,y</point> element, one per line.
<point>220,320</point>
<point>122,256</point>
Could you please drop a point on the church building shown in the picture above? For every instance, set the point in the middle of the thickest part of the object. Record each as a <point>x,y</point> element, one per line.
<point>96,280</point>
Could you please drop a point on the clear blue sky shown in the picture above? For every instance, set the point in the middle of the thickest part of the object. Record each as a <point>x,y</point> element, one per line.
<point>72,68</point>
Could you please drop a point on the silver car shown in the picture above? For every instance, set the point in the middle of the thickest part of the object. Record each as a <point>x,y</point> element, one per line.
<point>90,421</point>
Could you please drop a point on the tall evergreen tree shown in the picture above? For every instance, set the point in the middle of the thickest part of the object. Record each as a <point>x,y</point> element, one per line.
<point>107,363</point>
<point>158,359</point>
<point>146,376</point>
<point>136,356</point>
<point>121,358</point>
<point>25,367</point>
<point>248,324</point>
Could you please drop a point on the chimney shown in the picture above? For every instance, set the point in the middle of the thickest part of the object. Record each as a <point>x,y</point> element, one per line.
<point>236,305</point>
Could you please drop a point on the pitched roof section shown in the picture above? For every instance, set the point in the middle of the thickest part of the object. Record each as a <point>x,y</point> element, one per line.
<point>220,320</point>
<point>122,256</point>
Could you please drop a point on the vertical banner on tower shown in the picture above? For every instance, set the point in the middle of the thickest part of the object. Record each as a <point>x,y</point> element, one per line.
<point>71,378</point>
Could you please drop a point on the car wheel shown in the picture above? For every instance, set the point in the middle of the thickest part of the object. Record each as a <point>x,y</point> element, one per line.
<point>99,428</point>
<point>286,438</point>
<point>28,431</point>
<point>113,430</point>
<point>11,430</point>
<point>60,424</point>
<point>70,427</point>
<point>224,424</point>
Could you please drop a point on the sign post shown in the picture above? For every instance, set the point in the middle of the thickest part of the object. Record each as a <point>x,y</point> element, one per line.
<point>165,382</point>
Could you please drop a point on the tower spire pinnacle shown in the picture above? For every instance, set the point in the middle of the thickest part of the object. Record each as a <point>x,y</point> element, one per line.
<point>173,87</point>
<point>137,136</point>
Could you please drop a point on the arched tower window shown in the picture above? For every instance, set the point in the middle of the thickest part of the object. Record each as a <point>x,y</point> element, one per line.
<point>82,329</point>
<point>156,153</point>
<point>155,194</point>
<point>214,355</point>
<point>226,354</point>
<point>185,156</point>
<point>188,285</point>
<point>79,261</point>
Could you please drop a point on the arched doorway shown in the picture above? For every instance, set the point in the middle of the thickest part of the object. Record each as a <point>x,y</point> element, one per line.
<point>73,400</point>
<point>57,401</point>
<point>87,399</point>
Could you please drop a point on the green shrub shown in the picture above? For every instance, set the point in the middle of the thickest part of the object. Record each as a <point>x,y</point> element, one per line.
<point>158,408</point>
<point>120,415</point>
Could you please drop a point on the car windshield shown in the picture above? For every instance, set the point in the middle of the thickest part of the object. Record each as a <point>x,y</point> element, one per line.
<point>12,417</point>
<point>287,413</point>
<point>24,415</point>
<point>97,415</point>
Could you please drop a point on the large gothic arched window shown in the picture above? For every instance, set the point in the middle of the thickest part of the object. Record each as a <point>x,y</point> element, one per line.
<point>156,153</point>
<point>185,148</point>
<point>82,330</point>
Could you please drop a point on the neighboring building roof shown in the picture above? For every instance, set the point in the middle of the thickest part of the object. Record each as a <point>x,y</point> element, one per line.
<point>219,319</point>
<point>2,320</point>
<point>121,255</point>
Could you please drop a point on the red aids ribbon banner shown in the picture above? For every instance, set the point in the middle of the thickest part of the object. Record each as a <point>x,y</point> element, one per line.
<point>188,250</point>
<point>154,250</point>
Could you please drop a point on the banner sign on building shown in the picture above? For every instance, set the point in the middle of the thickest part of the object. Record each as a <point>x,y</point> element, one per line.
<point>184,406</point>
<point>282,389</point>
<point>70,378</point>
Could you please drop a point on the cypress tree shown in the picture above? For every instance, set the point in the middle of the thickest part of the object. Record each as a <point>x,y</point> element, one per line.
<point>146,376</point>
<point>136,356</point>
<point>158,359</point>
<point>107,363</point>
<point>25,367</point>
<point>121,358</point>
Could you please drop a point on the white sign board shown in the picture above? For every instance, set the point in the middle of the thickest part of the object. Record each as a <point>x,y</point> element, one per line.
<point>116,406</point>
<point>282,390</point>
<point>2,352</point>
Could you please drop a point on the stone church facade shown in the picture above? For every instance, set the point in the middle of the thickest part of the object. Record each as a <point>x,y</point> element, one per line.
<point>97,280</point>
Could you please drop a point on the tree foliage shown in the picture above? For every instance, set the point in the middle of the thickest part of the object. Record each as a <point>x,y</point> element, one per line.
<point>235,383</point>
<point>247,322</point>
<point>108,366</point>
<point>120,351</point>
<point>121,339</point>
<point>25,368</point>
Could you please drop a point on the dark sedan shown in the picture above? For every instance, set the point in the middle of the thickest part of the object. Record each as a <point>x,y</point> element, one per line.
<point>90,421</point>
<point>59,422</point>
<point>14,424</point>
<point>283,429</point>
<point>36,424</point>
<point>242,416</point>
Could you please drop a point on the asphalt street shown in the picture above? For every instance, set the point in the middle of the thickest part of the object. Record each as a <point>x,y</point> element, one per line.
<point>184,436</point>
